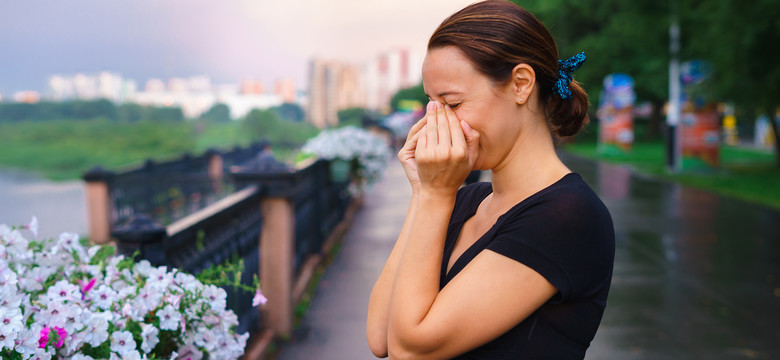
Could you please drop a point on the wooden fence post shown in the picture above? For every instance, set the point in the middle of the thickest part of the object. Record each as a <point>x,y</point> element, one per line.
<point>98,204</point>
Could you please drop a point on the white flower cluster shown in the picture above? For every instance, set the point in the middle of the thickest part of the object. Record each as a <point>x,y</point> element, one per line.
<point>59,300</point>
<point>350,143</point>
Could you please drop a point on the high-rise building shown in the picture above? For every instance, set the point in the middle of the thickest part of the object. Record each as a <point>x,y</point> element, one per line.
<point>252,86</point>
<point>333,86</point>
<point>285,88</point>
<point>388,73</point>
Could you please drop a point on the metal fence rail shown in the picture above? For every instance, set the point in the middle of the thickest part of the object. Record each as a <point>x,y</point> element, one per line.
<point>231,228</point>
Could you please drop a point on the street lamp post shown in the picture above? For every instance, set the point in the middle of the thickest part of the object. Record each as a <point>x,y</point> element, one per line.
<point>673,111</point>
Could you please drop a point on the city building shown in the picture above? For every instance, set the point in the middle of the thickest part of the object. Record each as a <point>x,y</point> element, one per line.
<point>104,85</point>
<point>389,72</point>
<point>285,88</point>
<point>333,86</point>
<point>29,97</point>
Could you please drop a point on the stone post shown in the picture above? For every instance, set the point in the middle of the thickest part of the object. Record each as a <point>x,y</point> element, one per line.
<point>277,237</point>
<point>98,204</point>
<point>276,261</point>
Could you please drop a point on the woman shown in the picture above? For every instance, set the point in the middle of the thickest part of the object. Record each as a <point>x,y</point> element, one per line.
<point>514,269</point>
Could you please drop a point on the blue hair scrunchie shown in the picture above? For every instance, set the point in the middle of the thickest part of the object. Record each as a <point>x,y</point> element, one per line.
<point>565,69</point>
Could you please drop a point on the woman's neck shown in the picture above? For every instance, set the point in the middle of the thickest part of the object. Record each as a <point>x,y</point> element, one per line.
<point>530,166</point>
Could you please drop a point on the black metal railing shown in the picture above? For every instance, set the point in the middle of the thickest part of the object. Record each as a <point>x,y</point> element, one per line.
<point>170,190</point>
<point>230,228</point>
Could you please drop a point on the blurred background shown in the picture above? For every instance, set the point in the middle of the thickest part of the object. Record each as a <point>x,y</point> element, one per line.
<point>682,143</point>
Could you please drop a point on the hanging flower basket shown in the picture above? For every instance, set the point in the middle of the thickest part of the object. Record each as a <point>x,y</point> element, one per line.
<point>357,152</point>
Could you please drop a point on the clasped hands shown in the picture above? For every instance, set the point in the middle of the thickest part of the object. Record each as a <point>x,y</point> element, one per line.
<point>439,152</point>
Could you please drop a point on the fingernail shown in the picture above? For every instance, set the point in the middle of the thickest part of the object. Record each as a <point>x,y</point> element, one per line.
<point>430,106</point>
<point>438,105</point>
<point>465,125</point>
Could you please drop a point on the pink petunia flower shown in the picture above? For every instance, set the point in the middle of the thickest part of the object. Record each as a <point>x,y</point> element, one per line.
<point>61,334</point>
<point>44,339</point>
<point>33,226</point>
<point>259,298</point>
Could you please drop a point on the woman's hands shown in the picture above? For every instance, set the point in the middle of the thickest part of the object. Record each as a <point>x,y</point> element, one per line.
<point>445,152</point>
<point>406,154</point>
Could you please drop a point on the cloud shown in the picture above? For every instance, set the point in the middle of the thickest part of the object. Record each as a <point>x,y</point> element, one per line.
<point>227,39</point>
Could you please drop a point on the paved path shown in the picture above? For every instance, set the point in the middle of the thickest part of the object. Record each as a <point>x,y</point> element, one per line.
<point>697,276</point>
<point>335,326</point>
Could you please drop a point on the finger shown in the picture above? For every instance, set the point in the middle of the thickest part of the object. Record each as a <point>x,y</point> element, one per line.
<point>472,140</point>
<point>431,128</point>
<point>443,127</point>
<point>422,140</point>
<point>420,123</point>
<point>458,138</point>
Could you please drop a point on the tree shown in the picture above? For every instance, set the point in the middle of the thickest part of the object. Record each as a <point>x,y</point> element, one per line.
<point>352,116</point>
<point>622,36</point>
<point>290,112</point>
<point>266,124</point>
<point>414,93</point>
<point>740,39</point>
<point>130,112</point>
<point>219,113</point>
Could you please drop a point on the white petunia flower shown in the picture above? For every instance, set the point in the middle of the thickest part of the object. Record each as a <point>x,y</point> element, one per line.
<point>80,357</point>
<point>189,352</point>
<point>10,320</point>
<point>42,354</point>
<point>10,296</point>
<point>63,291</point>
<point>7,276</point>
<point>169,318</point>
<point>103,297</point>
<point>97,329</point>
<point>148,299</point>
<point>149,335</point>
<point>216,297</point>
<point>122,342</point>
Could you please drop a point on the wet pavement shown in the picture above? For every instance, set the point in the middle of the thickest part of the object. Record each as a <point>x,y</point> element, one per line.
<point>697,276</point>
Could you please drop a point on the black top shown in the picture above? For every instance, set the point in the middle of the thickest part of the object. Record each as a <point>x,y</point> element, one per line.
<point>564,232</point>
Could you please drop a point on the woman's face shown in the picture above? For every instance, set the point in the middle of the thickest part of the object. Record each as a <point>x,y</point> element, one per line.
<point>491,110</point>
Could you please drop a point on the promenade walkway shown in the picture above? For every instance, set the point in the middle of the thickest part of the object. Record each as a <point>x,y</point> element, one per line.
<point>697,276</point>
<point>335,326</point>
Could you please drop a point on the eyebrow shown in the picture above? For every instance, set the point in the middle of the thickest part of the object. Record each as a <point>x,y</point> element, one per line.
<point>445,93</point>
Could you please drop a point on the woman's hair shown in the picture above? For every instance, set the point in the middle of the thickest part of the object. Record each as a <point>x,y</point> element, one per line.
<point>495,36</point>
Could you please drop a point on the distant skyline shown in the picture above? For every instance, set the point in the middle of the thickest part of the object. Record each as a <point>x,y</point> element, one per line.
<point>227,40</point>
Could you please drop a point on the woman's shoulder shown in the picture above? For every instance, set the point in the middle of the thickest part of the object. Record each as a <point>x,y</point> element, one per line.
<point>571,196</point>
<point>468,199</point>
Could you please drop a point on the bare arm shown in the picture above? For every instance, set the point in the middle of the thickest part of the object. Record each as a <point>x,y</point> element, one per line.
<point>379,302</point>
<point>490,296</point>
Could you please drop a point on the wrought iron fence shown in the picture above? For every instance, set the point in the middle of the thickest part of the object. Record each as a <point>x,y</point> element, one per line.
<point>230,228</point>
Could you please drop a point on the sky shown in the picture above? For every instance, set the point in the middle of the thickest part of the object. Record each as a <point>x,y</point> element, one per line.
<point>228,40</point>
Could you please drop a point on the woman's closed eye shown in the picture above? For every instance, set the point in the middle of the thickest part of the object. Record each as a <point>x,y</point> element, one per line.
<point>453,106</point>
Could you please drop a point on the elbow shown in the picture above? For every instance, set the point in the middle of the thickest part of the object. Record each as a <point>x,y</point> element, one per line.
<point>410,346</point>
<point>379,350</point>
<point>377,343</point>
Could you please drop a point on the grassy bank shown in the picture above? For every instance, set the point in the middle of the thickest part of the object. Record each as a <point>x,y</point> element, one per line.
<point>745,173</point>
<point>62,150</point>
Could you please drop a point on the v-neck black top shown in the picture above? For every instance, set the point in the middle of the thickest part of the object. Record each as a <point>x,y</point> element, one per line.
<point>564,232</point>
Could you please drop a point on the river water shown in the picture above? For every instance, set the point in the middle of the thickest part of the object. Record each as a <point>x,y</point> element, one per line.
<point>59,206</point>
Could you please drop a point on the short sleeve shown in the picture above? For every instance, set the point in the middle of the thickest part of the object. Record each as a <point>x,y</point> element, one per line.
<point>565,235</point>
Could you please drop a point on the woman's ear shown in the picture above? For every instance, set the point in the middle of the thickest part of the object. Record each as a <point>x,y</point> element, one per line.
<point>523,82</point>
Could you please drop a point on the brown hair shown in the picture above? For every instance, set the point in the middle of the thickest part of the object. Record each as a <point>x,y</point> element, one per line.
<point>495,36</point>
